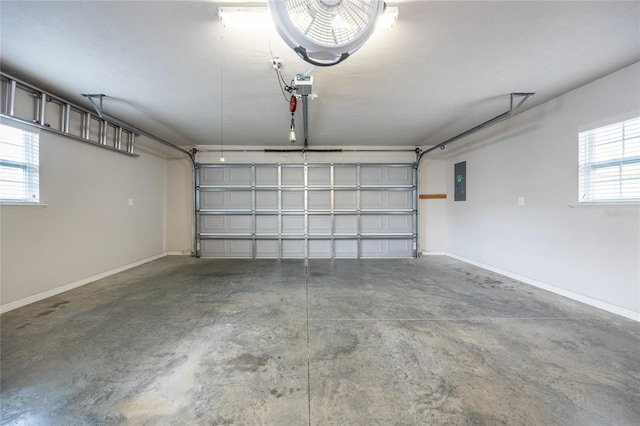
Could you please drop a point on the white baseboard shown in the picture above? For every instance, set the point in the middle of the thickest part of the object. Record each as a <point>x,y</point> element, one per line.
<point>433,253</point>
<point>54,291</point>
<point>180,253</point>
<point>614,309</point>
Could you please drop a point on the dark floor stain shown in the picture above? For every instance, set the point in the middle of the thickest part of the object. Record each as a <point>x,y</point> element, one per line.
<point>340,345</point>
<point>26,324</point>
<point>275,393</point>
<point>57,305</point>
<point>172,363</point>
<point>247,362</point>
<point>42,314</point>
<point>222,421</point>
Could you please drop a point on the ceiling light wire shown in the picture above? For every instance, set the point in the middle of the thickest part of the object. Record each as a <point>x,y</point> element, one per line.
<point>282,89</point>
<point>279,76</point>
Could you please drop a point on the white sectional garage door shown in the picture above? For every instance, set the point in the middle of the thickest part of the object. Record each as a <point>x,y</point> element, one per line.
<point>306,210</point>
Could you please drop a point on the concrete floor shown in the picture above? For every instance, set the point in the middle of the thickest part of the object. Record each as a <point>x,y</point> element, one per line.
<point>425,341</point>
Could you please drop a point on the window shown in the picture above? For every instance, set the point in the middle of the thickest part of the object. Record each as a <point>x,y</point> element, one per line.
<point>610,162</point>
<point>19,165</point>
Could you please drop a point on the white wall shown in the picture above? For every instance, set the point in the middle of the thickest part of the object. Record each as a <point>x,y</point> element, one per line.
<point>179,206</point>
<point>87,227</point>
<point>433,212</point>
<point>587,251</point>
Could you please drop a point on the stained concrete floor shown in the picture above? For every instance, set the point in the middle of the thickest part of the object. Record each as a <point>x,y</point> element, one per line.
<point>428,341</point>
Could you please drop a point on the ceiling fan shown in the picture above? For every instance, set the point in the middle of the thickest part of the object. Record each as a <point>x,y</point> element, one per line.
<point>325,32</point>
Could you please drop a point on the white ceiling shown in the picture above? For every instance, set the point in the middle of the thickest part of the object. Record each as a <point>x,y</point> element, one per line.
<point>170,68</point>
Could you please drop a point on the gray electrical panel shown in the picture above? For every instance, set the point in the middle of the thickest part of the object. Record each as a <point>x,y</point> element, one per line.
<point>460,171</point>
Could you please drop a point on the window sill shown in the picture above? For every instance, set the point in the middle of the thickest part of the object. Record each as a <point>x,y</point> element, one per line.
<point>38,205</point>
<point>622,204</point>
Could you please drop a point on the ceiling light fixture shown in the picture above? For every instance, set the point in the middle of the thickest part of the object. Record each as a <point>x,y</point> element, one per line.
<point>245,17</point>
<point>250,18</point>
<point>389,18</point>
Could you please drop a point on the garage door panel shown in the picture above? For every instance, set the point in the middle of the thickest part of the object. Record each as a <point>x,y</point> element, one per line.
<point>375,175</point>
<point>386,200</point>
<point>212,200</point>
<point>400,199</point>
<point>371,175</point>
<point>399,224</point>
<point>267,225</point>
<point>226,248</point>
<point>219,224</point>
<point>292,176</point>
<point>399,176</point>
<point>346,200</point>
<point>292,200</point>
<point>373,224</point>
<point>345,176</point>
<point>266,200</point>
<point>346,224</point>
<point>400,248</point>
<point>212,176</point>
<point>319,225</point>
<point>319,200</point>
<point>373,200</point>
<point>387,224</point>
<point>386,248</point>
<point>227,176</point>
<point>319,176</point>
<point>372,248</point>
<point>293,225</point>
<point>213,248</point>
<point>267,176</point>
<point>240,176</point>
<point>211,224</point>
<point>224,200</point>
<point>346,249</point>
<point>293,249</point>
<point>267,249</point>
<point>320,249</point>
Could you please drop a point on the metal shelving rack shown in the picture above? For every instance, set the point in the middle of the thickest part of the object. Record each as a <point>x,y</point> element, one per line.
<point>28,105</point>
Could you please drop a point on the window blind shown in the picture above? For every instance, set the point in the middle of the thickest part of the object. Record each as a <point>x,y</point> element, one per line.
<point>609,162</point>
<point>19,165</point>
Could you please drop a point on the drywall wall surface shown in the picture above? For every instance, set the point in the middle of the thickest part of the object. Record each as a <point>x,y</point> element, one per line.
<point>432,219</point>
<point>533,158</point>
<point>88,226</point>
<point>179,206</point>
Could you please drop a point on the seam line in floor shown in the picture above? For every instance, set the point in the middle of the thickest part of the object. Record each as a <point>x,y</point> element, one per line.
<point>306,281</point>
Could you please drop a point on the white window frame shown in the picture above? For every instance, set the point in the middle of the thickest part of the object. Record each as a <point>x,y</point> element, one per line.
<point>609,191</point>
<point>19,152</point>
